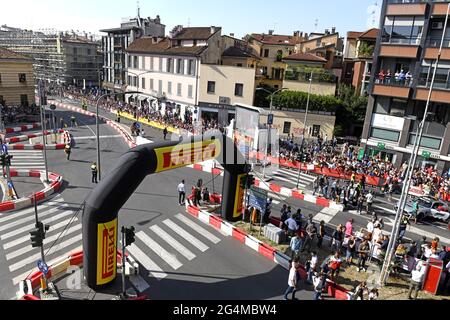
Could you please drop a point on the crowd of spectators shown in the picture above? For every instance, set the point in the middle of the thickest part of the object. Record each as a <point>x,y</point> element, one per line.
<point>15,114</point>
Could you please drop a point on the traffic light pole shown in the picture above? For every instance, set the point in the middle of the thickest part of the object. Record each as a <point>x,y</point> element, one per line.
<point>42,246</point>
<point>42,106</point>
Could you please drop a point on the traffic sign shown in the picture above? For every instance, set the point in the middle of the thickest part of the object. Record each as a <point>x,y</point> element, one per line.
<point>381,146</point>
<point>42,266</point>
<point>270,119</point>
<point>426,154</point>
<point>258,198</point>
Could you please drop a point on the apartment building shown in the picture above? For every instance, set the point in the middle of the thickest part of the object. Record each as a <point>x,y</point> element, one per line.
<point>404,61</point>
<point>116,42</point>
<point>358,59</point>
<point>16,79</point>
<point>272,48</point>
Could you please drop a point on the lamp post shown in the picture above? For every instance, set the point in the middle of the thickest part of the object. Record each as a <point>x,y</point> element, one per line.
<point>412,163</point>
<point>304,130</point>
<point>97,123</point>
<point>269,126</point>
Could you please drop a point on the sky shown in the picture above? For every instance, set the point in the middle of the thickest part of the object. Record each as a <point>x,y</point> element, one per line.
<point>234,16</point>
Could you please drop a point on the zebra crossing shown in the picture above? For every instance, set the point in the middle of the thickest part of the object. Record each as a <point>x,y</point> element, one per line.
<point>160,249</point>
<point>290,176</point>
<point>27,160</point>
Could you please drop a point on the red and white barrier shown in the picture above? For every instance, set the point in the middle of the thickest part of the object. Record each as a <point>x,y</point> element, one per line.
<point>29,136</point>
<point>59,146</point>
<point>23,128</point>
<point>55,184</point>
<point>286,192</point>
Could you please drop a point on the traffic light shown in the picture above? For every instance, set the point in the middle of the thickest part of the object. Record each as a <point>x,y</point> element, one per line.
<point>304,157</point>
<point>129,236</point>
<point>38,234</point>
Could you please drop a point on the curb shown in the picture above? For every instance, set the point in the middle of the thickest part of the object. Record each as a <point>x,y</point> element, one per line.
<point>23,128</point>
<point>290,193</point>
<point>29,136</point>
<point>55,185</point>
<point>334,290</point>
<point>128,139</point>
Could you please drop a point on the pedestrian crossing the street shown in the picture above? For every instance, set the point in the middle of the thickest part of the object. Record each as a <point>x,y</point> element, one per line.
<point>291,177</point>
<point>27,160</point>
<point>160,249</point>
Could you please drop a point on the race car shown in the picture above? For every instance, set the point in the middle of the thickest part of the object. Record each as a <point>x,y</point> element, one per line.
<point>428,208</point>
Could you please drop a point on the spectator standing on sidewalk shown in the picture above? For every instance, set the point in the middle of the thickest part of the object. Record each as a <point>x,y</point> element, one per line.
<point>295,246</point>
<point>318,281</point>
<point>351,248</point>
<point>292,227</point>
<point>363,253</point>
<point>417,277</point>
<point>337,238</point>
<point>369,198</point>
<point>292,281</point>
<point>312,265</point>
<point>94,171</point>
<point>311,232</point>
<point>181,193</point>
<point>165,132</point>
<point>349,228</point>
<point>359,291</point>
<point>360,204</point>
<point>321,234</point>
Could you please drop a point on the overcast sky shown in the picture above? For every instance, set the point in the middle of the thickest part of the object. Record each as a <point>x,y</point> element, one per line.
<point>235,16</point>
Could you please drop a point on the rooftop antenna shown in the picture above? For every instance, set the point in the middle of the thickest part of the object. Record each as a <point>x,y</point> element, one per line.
<point>316,25</point>
<point>374,14</point>
<point>138,9</point>
<point>189,22</point>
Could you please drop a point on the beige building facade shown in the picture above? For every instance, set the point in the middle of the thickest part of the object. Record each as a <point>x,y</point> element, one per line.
<point>16,79</point>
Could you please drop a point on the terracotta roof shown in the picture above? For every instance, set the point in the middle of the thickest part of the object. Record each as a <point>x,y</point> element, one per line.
<point>354,34</point>
<point>305,57</point>
<point>370,34</point>
<point>147,45</point>
<point>239,52</point>
<point>8,54</point>
<point>276,39</point>
<point>199,33</point>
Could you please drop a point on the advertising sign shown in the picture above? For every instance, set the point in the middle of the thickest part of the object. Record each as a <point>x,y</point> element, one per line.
<point>106,251</point>
<point>240,196</point>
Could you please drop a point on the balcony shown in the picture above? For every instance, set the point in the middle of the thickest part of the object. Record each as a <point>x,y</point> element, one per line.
<point>432,48</point>
<point>441,89</point>
<point>392,86</point>
<point>406,8</point>
<point>401,49</point>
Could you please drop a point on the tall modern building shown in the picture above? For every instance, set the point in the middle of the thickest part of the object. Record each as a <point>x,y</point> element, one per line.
<point>117,41</point>
<point>59,58</point>
<point>404,60</point>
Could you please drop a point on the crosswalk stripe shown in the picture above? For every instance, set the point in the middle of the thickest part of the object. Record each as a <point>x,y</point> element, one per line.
<point>294,174</point>
<point>30,227</point>
<point>37,256</point>
<point>49,240</point>
<point>281,178</point>
<point>27,219</point>
<point>27,211</point>
<point>26,238</point>
<point>21,277</point>
<point>203,232</point>
<point>186,235</point>
<point>145,261</point>
<point>169,258</point>
<point>173,243</point>
<point>327,214</point>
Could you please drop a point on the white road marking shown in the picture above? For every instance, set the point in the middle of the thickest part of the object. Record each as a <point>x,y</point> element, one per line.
<point>187,236</point>
<point>145,261</point>
<point>15,215</point>
<point>173,243</point>
<point>203,232</point>
<point>95,137</point>
<point>37,256</point>
<point>27,219</point>
<point>327,214</point>
<point>168,257</point>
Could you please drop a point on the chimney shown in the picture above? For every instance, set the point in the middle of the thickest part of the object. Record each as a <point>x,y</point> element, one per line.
<point>232,35</point>
<point>296,33</point>
<point>213,29</point>
<point>327,31</point>
<point>271,32</point>
<point>333,30</point>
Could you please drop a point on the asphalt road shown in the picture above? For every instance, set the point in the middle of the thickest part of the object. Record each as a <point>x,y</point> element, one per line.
<point>179,257</point>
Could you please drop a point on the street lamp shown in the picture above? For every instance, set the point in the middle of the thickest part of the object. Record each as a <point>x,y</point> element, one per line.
<point>98,124</point>
<point>412,163</point>
<point>304,130</point>
<point>269,125</point>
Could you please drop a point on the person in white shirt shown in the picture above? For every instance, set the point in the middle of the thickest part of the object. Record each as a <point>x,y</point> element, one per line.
<point>312,266</point>
<point>181,193</point>
<point>417,278</point>
<point>292,281</point>
<point>370,227</point>
<point>369,198</point>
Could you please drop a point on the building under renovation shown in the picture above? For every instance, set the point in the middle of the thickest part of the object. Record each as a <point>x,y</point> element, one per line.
<point>59,58</point>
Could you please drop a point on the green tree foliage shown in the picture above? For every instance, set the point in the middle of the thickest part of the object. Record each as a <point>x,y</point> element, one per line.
<point>298,100</point>
<point>354,105</point>
<point>366,50</point>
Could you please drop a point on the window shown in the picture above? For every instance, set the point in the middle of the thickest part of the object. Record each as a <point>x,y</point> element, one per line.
<point>180,66</point>
<point>191,67</point>
<point>266,53</point>
<point>142,63</point>
<point>318,42</point>
<point>426,142</point>
<point>169,65</point>
<point>211,87</point>
<point>239,65</point>
<point>190,91</point>
<point>161,64</point>
<point>160,87</point>
<point>75,51</point>
<point>195,43</point>
<point>135,62</point>
<point>403,30</point>
<point>22,77</point>
<point>316,130</point>
<point>287,127</point>
<point>152,63</point>
<point>179,89</point>
<point>391,106</point>
<point>0,78</point>
<point>239,90</point>
<point>169,87</point>
<point>2,102</point>
<point>152,85</point>
<point>389,135</point>
<point>179,43</point>
<point>23,100</point>
<point>143,83</point>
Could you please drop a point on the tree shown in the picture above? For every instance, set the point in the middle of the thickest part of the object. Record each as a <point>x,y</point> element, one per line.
<point>366,50</point>
<point>351,112</point>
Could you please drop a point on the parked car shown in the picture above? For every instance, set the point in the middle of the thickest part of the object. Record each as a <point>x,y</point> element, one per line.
<point>428,208</point>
